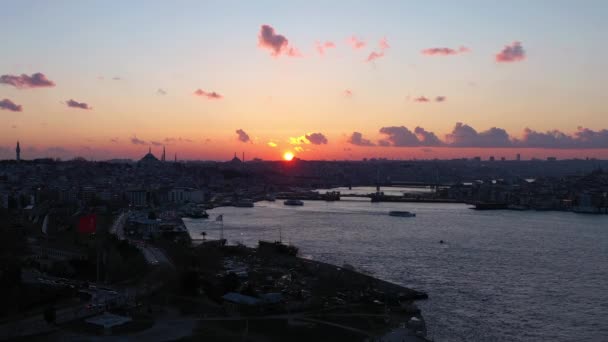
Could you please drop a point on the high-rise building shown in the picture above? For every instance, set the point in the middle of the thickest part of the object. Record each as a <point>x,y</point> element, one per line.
<point>518,158</point>
<point>18,152</point>
<point>163,157</point>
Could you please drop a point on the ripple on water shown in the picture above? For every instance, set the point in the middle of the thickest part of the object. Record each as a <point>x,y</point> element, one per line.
<point>499,276</point>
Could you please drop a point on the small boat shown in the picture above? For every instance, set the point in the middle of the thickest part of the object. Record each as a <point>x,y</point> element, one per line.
<point>293,202</point>
<point>197,214</point>
<point>401,213</point>
<point>490,205</point>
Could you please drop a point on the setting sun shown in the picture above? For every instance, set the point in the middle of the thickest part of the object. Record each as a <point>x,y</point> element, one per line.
<point>288,156</point>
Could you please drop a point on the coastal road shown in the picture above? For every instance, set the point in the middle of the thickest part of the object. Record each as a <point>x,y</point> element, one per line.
<point>118,227</point>
<point>153,255</point>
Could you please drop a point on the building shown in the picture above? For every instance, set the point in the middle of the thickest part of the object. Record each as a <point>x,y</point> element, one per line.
<point>18,152</point>
<point>137,198</point>
<point>149,159</point>
<point>184,195</point>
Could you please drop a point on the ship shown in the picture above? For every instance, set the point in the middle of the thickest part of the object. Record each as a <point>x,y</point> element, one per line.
<point>401,213</point>
<point>293,202</point>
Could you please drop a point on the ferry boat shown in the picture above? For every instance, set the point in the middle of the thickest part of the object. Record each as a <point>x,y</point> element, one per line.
<point>293,202</point>
<point>401,213</point>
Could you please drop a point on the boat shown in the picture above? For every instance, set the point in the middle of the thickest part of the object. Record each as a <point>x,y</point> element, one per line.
<point>293,202</point>
<point>197,214</point>
<point>401,213</point>
<point>490,205</point>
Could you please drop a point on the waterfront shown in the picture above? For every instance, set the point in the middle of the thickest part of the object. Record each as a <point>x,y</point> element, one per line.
<point>387,190</point>
<point>500,275</point>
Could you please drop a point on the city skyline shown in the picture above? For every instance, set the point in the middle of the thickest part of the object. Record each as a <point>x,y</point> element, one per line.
<point>397,81</point>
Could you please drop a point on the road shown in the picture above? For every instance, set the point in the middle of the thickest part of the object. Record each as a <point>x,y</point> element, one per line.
<point>154,256</point>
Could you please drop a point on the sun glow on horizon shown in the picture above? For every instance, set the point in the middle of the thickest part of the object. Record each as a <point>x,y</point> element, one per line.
<point>288,156</point>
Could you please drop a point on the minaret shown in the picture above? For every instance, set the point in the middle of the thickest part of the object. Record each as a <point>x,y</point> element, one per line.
<point>18,152</point>
<point>163,156</point>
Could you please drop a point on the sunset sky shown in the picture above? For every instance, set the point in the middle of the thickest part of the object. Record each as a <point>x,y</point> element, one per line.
<point>322,79</point>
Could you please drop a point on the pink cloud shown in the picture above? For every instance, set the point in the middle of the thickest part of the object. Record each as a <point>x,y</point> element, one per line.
<point>276,43</point>
<point>80,105</point>
<point>356,43</point>
<point>384,44</point>
<point>321,47</point>
<point>440,98</point>
<point>375,54</point>
<point>444,51</point>
<point>511,53</point>
<point>209,95</point>
<point>293,52</point>
<point>7,104</point>
<point>421,99</point>
<point>348,93</point>
<point>23,81</point>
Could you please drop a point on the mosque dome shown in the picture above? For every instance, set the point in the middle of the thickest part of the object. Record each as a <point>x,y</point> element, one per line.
<point>149,158</point>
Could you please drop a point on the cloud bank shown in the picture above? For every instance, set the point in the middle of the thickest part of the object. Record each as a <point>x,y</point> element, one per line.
<point>465,136</point>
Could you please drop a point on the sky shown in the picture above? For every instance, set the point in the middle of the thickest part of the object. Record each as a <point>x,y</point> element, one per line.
<point>324,80</point>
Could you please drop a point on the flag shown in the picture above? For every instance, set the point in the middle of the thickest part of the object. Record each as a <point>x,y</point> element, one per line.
<point>87,224</point>
<point>220,218</point>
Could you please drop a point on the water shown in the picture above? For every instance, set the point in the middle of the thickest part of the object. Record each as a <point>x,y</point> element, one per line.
<point>388,190</point>
<point>499,276</point>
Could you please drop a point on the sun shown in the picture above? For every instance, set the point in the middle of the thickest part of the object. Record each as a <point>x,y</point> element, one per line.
<point>288,156</point>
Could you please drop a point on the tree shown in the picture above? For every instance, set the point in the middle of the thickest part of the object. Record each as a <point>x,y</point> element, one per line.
<point>190,283</point>
<point>50,315</point>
